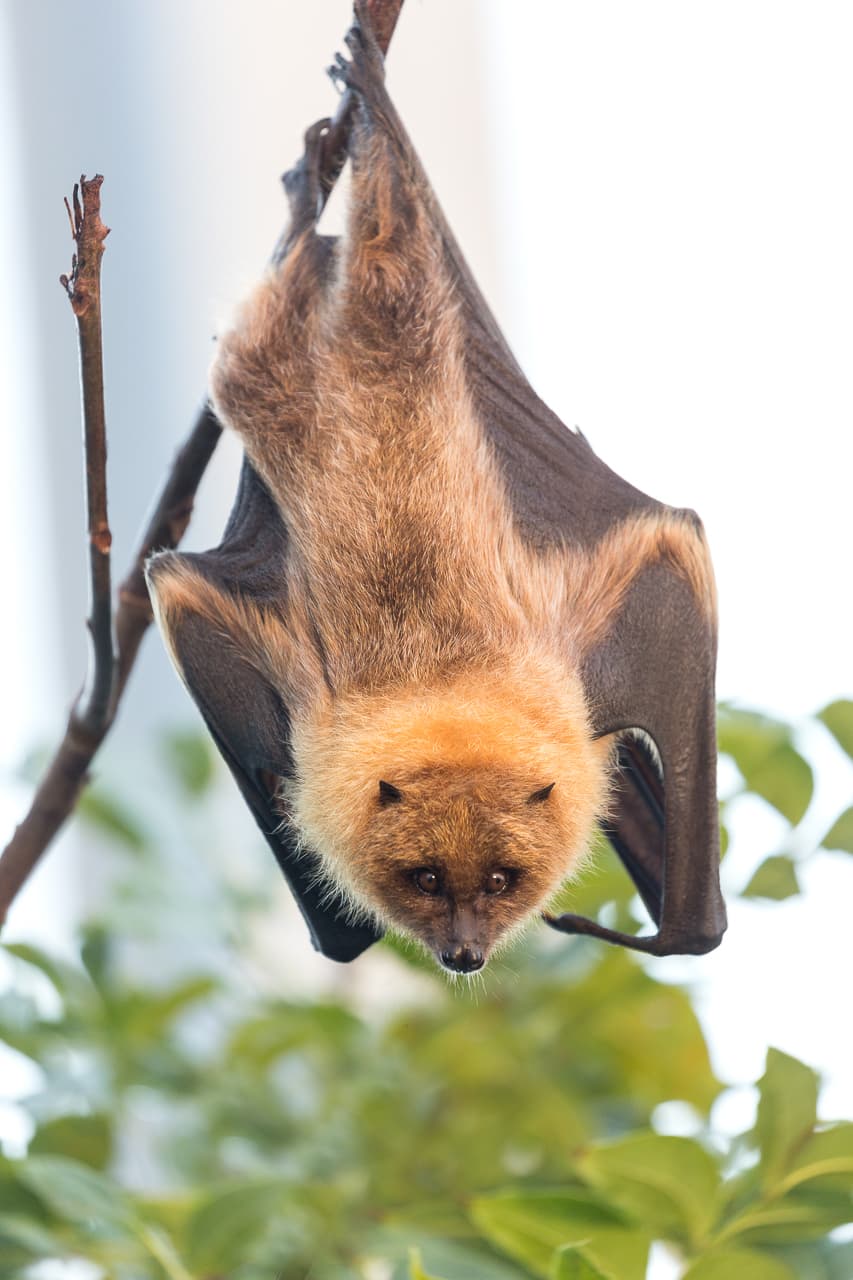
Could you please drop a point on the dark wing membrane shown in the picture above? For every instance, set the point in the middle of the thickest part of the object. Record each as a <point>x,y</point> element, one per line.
<point>244,714</point>
<point>636,827</point>
<point>655,671</point>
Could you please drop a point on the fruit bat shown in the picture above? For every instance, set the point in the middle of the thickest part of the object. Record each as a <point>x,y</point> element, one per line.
<point>440,640</point>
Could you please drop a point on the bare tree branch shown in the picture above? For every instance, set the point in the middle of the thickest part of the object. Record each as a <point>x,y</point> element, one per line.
<point>83,287</point>
<point>92,712</point>
<point>95,709</point>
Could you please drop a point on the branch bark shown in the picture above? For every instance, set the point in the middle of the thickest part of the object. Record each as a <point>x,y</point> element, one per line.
<point>92,712</point>
<point>84,292</point>
<point>111,663</point>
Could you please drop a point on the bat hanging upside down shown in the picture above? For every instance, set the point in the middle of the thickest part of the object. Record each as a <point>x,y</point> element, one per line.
<point>440,640</point>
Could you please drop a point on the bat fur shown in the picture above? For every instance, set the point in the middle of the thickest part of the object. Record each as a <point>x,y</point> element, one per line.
<point>425,643</point>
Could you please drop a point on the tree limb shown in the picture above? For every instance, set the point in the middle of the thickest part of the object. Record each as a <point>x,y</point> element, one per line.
<point>83,287</point>
<point>94,710</point>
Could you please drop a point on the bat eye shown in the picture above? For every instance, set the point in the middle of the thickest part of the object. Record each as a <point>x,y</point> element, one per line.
<point>497,882</point>
<point>427,881</point>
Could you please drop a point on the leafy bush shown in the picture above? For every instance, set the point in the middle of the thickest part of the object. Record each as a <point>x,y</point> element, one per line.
<point>188,1124</point>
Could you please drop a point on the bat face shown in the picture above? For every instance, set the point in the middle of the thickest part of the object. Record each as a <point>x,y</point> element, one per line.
<point>460,859</point>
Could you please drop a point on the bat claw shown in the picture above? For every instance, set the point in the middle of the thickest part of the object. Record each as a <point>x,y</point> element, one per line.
<point>314,135</point>
<point>354,38</point>
<point>367,64</point>
<point>302,183</point>
<point>340,72</point>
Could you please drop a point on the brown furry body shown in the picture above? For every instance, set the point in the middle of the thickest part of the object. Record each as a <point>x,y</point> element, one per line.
<point>423,642</point>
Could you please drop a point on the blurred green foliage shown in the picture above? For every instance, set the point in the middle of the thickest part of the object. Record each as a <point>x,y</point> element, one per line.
<point>186,1123</point>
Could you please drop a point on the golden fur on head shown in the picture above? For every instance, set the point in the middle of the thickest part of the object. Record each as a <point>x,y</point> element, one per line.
<point>471,763</point>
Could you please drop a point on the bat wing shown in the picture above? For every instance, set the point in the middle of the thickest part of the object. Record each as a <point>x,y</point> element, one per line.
<point>650,668</point>
<point>244,713</point>
<point>650,665</point>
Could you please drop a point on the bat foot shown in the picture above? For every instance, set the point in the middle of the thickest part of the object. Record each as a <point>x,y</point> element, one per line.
<point>366,66</point>
<point>302,183</point>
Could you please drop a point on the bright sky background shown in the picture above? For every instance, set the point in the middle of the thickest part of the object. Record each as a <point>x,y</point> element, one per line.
<point>658,200</point>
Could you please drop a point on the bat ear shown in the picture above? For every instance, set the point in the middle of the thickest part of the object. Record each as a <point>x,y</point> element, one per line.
<point>388,793</point>
<point>654,671</point>
<point>249,724</point>
<point>538,797</point>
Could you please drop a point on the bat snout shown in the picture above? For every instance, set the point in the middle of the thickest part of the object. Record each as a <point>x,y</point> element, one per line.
<point>462,959</point>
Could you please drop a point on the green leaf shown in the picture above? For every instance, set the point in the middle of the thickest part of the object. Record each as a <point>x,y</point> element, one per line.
<point>96,952</point>
<point>531,1225</point>
<point>217,1231</point>
<point>573,1264</point>
<point>818,1260</point>
<point>840,834</point>
<point>456,1260</point>
<point>770,765</point>
<point>800,1215</point>
<point>602,879</point>
<point>282,1027</point>
<point>189,756</point>
<point>111,818</point>
<point>31,1240</point>
<point>644,1034</point>
<point>785,780</point>
<point>827,1156</point>
<point>739,1264</point>
<point>87,1139</point>
<point>161,1248</point>
<point>416,1270</point>
<point>75,1192</point>
<point>776,878</point>
<point>749,737</point>
<point>838,718</point>
<point>69,981</point>
<point>787,1112</point>
<point>148,1014</point>
<point>670,1184</point>
<point>439,1218</point>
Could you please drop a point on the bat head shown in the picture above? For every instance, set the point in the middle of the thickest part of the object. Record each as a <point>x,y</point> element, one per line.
<point>460,858</point>
<point>452,816</point>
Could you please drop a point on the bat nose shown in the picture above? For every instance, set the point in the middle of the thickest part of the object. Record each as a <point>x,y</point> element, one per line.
<point>463,959</point>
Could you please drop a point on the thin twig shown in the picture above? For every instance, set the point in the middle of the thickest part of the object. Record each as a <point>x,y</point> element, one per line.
<point>83,287</point>
<point>95,709</point>
<point>92,712</point>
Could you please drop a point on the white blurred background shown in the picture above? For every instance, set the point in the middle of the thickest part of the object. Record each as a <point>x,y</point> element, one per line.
<point>656,199</point>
